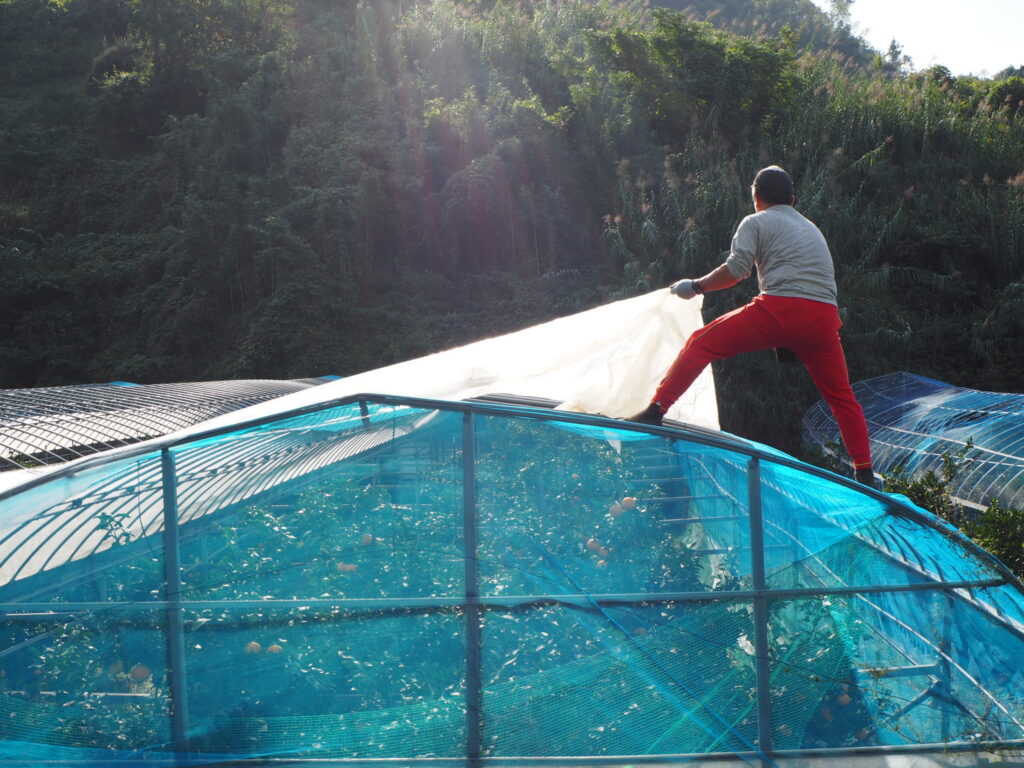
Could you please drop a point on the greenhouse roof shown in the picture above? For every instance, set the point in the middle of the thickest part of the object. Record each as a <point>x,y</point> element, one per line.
<point>917,423</point>
<point>491,581</point>
<point>57,424</point>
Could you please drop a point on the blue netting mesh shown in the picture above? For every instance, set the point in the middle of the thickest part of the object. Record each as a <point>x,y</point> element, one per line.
<point>914,422</point>
<point>448,581</point>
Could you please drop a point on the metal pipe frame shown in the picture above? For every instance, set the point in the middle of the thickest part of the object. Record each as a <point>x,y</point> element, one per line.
<point>474,605</point>
<point>473,610</point>
<point>49,611</point>
<point>1014,750</point>
<point>53,425</point>
<point>762,671</point>
<point>175,626</point>
<point>693,435</point>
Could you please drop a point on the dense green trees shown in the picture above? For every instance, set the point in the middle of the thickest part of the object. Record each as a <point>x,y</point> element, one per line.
<point>219,188</point>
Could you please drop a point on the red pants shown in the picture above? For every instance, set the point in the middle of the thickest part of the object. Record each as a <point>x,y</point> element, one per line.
<point>809,328</point>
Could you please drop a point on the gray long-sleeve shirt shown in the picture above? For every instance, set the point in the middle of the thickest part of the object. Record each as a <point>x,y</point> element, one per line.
<point>789,251</point>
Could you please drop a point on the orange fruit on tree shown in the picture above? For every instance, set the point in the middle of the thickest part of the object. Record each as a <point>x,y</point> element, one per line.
<point>629,502</point>
<point>274,648</point>
<point>593,545</point>
<point>139,673</point>
<point>253,647</point>
<point>615,509</point>
<point>843,699</point>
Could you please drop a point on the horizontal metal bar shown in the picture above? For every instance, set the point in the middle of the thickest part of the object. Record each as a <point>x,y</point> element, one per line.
<point>117,696</point>
<point>913,670</point>
<point>660,499</point>
<point>939,749</point>
<point>51,611</point>
<point>730,550</point>
<point>717,519</point>
<point>36,611</point>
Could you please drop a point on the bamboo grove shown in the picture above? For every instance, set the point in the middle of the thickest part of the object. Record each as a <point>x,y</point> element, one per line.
<point>197,189</point>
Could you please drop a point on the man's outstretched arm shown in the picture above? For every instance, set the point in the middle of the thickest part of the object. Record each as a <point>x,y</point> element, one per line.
<point>715,280</point>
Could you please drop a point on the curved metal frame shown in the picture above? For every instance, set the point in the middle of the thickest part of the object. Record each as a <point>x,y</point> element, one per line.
<point>474,603</point>
<point>897,405</point>
<point>545,413</point>
<point>53,425</point>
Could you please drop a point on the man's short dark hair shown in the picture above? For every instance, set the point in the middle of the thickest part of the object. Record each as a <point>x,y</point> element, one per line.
<point>774,186</point>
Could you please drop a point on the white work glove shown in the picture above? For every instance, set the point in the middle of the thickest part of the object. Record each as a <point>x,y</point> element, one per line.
<point>684,289</point>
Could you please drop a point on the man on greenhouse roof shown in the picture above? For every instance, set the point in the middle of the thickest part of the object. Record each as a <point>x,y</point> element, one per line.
<point>795,311</point>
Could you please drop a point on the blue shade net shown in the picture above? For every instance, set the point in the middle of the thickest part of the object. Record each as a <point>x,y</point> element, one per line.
<point>915,423</point>
<point>462,582</point>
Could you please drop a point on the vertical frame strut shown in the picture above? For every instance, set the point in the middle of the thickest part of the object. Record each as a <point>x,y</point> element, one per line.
<point>474,615</point>
<point>175,625</point>
<point>759,583</point>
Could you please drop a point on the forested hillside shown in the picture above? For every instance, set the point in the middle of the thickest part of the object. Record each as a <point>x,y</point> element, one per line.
<point>800,21</point>
<point>283,188</point>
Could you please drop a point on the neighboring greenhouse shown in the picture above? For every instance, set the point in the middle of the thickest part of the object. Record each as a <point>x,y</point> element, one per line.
<point>52,425</point>
<point>914,422</point>
<point>491,582</point>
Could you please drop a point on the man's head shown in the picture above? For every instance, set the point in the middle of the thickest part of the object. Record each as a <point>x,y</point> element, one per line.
<point>773,186</point>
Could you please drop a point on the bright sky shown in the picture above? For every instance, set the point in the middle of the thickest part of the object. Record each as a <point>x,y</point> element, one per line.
<point>968,37</point>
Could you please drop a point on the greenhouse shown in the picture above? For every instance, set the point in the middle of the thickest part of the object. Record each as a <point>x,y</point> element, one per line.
<point>51,425</point>
<point>346,577</point>
<point>917,423</point>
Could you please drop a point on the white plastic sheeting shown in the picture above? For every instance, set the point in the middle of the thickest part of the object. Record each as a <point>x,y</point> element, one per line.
<point>606,360</point>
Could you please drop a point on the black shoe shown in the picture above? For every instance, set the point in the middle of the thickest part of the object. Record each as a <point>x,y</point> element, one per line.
<point>866,476</point>
<point>651,415</point>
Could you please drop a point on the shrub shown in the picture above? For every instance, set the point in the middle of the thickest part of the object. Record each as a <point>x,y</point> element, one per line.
<point>998,529</point>
<point>933,491</point>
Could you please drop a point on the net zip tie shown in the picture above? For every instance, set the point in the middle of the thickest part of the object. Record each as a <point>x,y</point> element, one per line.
<point>670,696</point>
